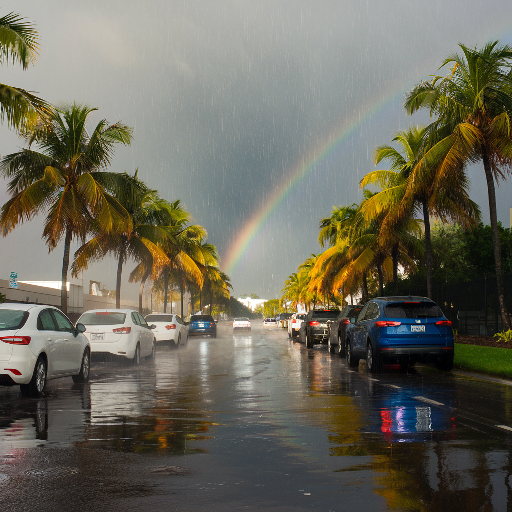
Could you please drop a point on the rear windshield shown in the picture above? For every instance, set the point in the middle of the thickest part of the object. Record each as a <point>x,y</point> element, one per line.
<point>102,318</point>
<point>413,310</point>
<point>159,318</point>
<point>241,319</point>
<point>354,313</point>
<point>325,314</point>
<point>12,319</point>
<point>201,318</point>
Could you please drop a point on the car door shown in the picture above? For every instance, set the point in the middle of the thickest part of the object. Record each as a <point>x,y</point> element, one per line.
<point>148,334</point>
<point>357,333</point>
<point>367,323</point>
<point>49,335</point>
<point>69,344</point>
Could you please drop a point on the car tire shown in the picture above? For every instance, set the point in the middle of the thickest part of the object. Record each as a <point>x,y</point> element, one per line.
<point>341,347</point>
<point>37,384</point>
<point>136,356</point>
<point>373,362</point>
<point>85,369</point>
<point>309,341</point>
<point>330,346</point>
<point>178,343</point>
<point>352,361</point>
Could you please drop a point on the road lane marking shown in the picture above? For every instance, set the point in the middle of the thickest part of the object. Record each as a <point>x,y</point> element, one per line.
<point>504,427</point>
<point>427,400</point>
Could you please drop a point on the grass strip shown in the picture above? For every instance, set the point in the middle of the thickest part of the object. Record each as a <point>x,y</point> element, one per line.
<point>492,360</point>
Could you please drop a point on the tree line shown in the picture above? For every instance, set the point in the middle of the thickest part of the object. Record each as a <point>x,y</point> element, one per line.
<point>425,178</point>
<point>63,172</point>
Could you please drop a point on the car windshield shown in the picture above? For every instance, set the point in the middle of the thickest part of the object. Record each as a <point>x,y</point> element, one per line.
<point>12,319</point>
<point>326,314</point>
<point>201,318</point>
<point>354,313</point>
<point>413,310</point>
<point>241,319</point>
<point>103,318</point>
<point>159,318</point>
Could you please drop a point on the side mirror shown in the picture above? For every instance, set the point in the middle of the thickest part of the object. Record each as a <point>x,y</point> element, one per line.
<point>152,326</point>
<point>79,328</point>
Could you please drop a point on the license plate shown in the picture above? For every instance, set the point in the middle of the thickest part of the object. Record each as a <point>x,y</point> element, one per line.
<point>97,336</point>
<point>417,328</point>
<point>201,325</point>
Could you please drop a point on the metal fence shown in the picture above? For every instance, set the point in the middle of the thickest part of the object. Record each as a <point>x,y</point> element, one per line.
<point>472,306</point>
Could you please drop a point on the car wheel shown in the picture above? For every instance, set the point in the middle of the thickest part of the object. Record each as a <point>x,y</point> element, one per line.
<point>445,364</point>
<point>373,362</point>
<point>330,346</point>
<point>83,376</point>
<point>179,339</point>
<point>309,341</point>
<point>151,356</point>
<point>136,356</point>
<point>341,347</point>
<point>37,384</point>
<point>351,360</point>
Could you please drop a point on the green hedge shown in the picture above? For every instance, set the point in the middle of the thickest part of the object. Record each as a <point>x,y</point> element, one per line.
<point>492,360</point>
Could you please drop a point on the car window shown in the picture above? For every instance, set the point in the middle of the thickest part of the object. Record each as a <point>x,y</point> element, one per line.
<point>353,314</point>
<point>135,318</point>
<point>12,319</point>
<point>201,318</point>
<point>142,322</point>
<point>373,311</point>
<point>362,315</point>
<point>103,318</point>
<point>63,323</point>
<point>413,310</point>
<point>45,321</point>
<point>159,318</point>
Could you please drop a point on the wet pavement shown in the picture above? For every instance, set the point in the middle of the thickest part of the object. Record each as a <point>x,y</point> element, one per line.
<point>256,421</point>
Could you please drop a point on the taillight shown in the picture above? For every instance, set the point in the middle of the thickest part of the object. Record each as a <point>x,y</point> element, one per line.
<point>172,326</point>
<point>345,321</point>
<point>123,330</point>
<point>387,323</point>
<point>444,322</point>
<point>314,322</point>
<point>16,340</point>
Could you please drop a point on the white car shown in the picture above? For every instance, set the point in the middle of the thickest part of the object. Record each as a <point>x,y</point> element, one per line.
<point>294,324</point>
<point>121,332</point>
<point>39,343</point>
<point>240,324</point>
<point>168,328</point>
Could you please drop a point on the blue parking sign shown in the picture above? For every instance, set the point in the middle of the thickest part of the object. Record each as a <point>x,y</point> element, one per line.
<point>13,280</point>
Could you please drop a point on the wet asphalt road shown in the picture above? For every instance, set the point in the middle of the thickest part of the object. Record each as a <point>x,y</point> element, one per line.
<point>257,422</point>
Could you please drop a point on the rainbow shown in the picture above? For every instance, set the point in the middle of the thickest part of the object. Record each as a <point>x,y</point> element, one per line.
<point>307,164</point>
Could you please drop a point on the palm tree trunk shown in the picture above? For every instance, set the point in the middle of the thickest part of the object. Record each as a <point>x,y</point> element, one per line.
<point>380,273</point>
<point>166,284</point>
<point>365,289</point>
<point>141,290</point>
<point>65,267</point>
<point>394,257</point>
<point>118,279</point>
<point>496,240</point>
<point>181,305</point>
<point>429,261</point>
<point>211,301</point>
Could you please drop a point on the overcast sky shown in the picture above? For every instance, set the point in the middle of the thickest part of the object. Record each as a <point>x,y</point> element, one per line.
<point>228,98</point>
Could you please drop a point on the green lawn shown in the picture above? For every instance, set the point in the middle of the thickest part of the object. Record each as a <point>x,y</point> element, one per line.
<point>495,361</point>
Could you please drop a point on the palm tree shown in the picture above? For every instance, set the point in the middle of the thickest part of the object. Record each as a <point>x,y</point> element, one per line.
<point>150,216</point>
<point>473,105</point>
<point>66,178</point>
<point>406,193</point>
<point>18,42</point>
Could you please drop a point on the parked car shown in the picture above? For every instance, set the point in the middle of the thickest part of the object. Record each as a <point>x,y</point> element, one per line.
<point>400,330</point>
<point>282,320</point>
<point>120,332</point>
<point>39,343</point>
<point>294,324</point>
<point>202,324</point>
<point>269,322</point>
<point>314,327</point>
<point>241,324</point>
<point>168,328</point>
<point>337,328</point>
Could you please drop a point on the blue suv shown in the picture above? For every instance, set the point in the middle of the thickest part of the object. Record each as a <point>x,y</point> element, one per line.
<point>400,330</point>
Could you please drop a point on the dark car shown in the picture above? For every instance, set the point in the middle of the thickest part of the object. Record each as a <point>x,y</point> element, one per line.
<point>314,327</point>
<point>338,328</point>
<point>202,324</point>
<point>400,330</point>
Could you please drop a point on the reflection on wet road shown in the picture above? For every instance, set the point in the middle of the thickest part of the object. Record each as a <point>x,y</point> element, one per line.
<point>257,421</point>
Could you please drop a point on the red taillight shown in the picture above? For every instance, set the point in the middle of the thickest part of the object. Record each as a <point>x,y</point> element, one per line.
<point>387,323</point>
<point>444,322</point>
<point>345,321</point>
<point>314,322</point>
<point>123,330</point>
<point>172,326</point>
<point>16,340</point>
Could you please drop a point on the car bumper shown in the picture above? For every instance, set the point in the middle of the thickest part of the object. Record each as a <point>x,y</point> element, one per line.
<point>199,331</point>
<point>419,353</point>
<point>123,348</point>
<point>17,363</point>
